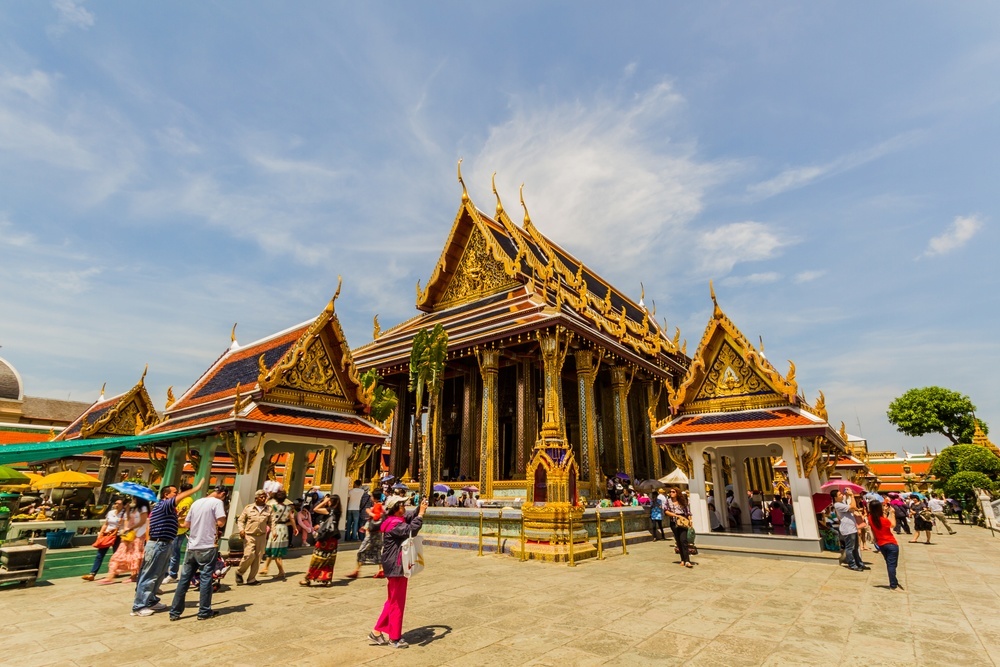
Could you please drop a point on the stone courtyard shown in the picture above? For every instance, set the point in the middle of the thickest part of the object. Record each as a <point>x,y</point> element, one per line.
<point>639,609</point>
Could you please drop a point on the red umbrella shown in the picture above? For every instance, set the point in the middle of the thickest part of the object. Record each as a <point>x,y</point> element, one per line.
<point>821,501</point>
<point>842,485</point>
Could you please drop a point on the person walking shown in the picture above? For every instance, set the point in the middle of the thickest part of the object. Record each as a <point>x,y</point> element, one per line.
<point>128,556</point>
<point>656,516</point>
<point>923,520</point>
<point>900,513</point>
<point>253,523</point>
<point>354,497</point>
<point>327,535</point>
<point>936,504</point>
<point>112,522</point>
<point>396,528</point>
<point>282,527</point>
<point>844,506</point>
<point>881,527</point>
<point>206,516</point>
<point>163,525</point>
<point>680,520</point>
<point>173,569</point>
<point>370,551</point>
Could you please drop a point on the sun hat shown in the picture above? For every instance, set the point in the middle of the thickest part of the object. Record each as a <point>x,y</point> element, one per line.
<point>392,502</point>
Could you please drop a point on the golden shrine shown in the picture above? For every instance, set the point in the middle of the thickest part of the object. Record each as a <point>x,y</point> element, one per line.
<point>507,295</point>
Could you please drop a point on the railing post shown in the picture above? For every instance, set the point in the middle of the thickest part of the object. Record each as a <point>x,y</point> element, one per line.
<point>600,547</point>
<point>499,530</point>
<point>523,554</point>
<point>572,563</point>
<point>621,516</point>
<point>480,532</point>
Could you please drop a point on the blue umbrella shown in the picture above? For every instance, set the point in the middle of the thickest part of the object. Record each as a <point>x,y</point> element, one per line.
<point>874,496</point>
<point>442,488</point>
<point>400,485</point>
<point>133,489</point>
<point>918,495</point>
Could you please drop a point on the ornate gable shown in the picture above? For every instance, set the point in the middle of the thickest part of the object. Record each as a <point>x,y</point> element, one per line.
<point>130,414</point>
<point>478,274</point>
<point>728,373</point>
<point>317,371</point>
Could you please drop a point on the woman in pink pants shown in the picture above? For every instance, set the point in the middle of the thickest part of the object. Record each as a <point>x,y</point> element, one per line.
<point>396,527</point>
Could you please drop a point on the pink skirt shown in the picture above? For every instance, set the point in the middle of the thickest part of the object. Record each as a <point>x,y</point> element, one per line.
<point>128,556</point>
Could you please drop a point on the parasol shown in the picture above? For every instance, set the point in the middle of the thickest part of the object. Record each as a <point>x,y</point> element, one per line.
<point>400,485</point>
<point>621,475</point>
<point>133,489</point>
<point>11,477</point>
<point>471,489</point>
<point>676,477</point>
<point>841,485</point>
<point>442,488</point>
<point>67,479</point>
<point>649,485</point>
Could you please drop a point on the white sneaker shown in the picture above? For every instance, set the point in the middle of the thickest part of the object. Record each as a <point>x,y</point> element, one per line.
<point>145,611</point>
<point>168,580</point>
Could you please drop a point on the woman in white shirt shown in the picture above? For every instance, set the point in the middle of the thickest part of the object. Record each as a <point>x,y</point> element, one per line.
<point>112,521</point>
<point>128,555</point>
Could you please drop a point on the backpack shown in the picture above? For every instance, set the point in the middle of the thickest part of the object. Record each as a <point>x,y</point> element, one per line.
<point>328,530</point>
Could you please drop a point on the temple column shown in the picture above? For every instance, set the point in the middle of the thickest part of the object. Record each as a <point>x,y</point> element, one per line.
<point>400,441</point>
<point>652,399</point>
<point>467,468</point>
<point>527,429</point>
<point>699,505</point>
<point>801,492</point>
<point>590,465</point>
<point>244,487</point>
<point>489,368</point>
<point>719,487</point>
<point>206,454</point>
<point>107,473</point>
<point>620,385</point>
<point>739,472</point>
<point>296,477</point>
<point>174,467</point>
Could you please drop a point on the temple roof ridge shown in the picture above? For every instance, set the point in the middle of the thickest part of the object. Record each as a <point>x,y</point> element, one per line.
<point>124,414</point>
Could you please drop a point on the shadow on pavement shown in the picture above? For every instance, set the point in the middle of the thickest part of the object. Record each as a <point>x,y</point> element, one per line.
<point>426,634</point>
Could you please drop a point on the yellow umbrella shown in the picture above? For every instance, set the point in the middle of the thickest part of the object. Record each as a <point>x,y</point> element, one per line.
<point>25,485</point>
<point>67,479</point>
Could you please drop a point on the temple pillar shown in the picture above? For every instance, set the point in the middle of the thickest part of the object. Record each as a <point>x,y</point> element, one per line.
<point>620,385</point>
<point>739,472</point>
<point>489,368</point>
<point>719,488</point>
<point>699,505</point>
<point>526,428</point>
<point>108,473</point>
<point>801,491</point>
<point>467,468</point>
<point>245,486</point>
<point>652,399</point>
<point>296,477</point>
<point>206,454</point>
<point>400,438</point>
<point>590,464</point>
<point>174,467</point>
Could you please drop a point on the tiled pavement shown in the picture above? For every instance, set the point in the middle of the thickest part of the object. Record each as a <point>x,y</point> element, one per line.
<point>640,609</point>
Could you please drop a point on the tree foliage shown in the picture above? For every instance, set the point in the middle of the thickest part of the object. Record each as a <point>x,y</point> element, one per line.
<point>384,399</point>
<point>963,484</point>
<point>965,458</point>
<point>427,359</point>
<point>934,410</point>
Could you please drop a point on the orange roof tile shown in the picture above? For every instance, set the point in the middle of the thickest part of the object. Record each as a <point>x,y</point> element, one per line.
<point>738,421</point>
<point>19,437</point>
<point>345,423</point>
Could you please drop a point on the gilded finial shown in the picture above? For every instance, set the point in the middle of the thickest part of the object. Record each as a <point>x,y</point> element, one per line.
<point>170,397</point>
<point>232,335</point>
<point>653,314</point>
<point>717,313</point>
<point>261,368</point>
<point>142,380</point>
<point>684,347</point>
<point>677,337</point>
<point>340,283</point>
<point>761,339</point>
<point>527,218</point>
<point>791,372</point>
<point>465,193</point>
<point>642,297</point>
<point>377,329</point>
<point>102,389</point>
<point>493,182</point>
<point>821,406</point>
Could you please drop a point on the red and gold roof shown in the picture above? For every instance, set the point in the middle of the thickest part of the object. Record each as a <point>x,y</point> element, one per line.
<point>126,414</point>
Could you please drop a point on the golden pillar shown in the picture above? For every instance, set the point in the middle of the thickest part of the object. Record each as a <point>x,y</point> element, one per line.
<point>467,468</point>
<point>620,385</point>
<point>586,374</point>
<point>527,419</point>
<point>652,401</point>
<point>489,368</point>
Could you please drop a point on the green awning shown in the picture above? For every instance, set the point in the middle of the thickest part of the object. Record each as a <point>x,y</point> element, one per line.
<point>30,452</point>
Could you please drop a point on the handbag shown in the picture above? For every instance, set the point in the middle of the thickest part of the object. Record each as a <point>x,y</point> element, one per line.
<point>656,514</point>
<point>328,530</point>
<point>412,555</point>
<point>106,540</point>
<point>682,522</point>
<point>128,536</point>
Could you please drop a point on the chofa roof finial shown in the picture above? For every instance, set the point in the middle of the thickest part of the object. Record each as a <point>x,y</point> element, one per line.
<point>465,193</point>
<point>493,182</point>
<point>527,218</point>
<point>711,290</point>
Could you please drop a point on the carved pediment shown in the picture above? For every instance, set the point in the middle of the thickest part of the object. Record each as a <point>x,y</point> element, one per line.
<point>478,274</point>
<point>132,409</point>
<point>731,376</point>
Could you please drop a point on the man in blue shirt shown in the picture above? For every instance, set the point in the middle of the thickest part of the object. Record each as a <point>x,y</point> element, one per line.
<point>163,524</point>
<point>844,506</point>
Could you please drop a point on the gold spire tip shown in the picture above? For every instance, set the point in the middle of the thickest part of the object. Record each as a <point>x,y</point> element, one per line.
<point>232,335</point>
<point>144,371</point>
<point>493,182</point>
<point>527,218</point>
<point>465,193</point>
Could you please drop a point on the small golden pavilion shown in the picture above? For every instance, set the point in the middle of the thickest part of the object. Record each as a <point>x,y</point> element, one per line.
<point>527,321</point>
<point>733,416</point>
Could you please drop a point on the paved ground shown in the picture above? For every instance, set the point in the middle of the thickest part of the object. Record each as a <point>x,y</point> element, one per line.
<point>641,609</point>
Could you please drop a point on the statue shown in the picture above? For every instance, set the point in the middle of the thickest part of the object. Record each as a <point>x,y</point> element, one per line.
<point>909,478</point>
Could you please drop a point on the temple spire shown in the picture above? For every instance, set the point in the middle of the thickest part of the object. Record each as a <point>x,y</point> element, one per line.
<point>465,192</point>
<point>493,182</point>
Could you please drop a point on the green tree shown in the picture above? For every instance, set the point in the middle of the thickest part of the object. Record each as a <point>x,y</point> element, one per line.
<point>427,357</point>
<point>962,485</point>
<point>965,458</point>
<point>934,410</point>
<point>384,399</point>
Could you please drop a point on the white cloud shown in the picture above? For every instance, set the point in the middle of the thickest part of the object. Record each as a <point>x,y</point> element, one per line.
<point>809,276</point>
<point>11,237</point>
<point>724,247</point>
<point>753,279</point>
<point>36,84</point>
<point>797,177</point>
<point>71,14</point>
<point>959,232</point>
<point>593,169</point>
<point>174,140</point>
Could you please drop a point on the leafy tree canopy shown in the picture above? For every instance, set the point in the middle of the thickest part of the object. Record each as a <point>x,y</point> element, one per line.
<point>963,484</point>
<point>965,458</point>
<point>934,410</point>
<point>384,399</point>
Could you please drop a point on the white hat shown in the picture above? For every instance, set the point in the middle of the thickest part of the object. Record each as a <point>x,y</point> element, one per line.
<point>392,501</point>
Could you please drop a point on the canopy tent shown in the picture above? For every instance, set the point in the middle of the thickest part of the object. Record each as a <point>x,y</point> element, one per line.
<point>675,477</point>
<point>30,452</point>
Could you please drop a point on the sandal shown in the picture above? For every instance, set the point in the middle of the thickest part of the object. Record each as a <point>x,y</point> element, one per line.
<point>688,565</point>
<point>305,582</point>
<point>352,575</point>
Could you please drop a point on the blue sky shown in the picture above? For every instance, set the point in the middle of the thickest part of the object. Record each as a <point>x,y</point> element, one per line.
<point>169,169</point>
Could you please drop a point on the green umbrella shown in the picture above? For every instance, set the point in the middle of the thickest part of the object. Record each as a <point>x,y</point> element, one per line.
<point>10,477</point>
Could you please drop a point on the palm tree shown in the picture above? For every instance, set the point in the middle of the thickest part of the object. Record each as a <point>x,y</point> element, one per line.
<point>430,348</point>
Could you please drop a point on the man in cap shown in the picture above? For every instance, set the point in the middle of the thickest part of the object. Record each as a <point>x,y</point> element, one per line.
<point>252,523</point>
<point>206,516</point>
